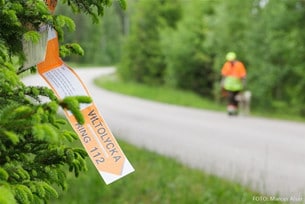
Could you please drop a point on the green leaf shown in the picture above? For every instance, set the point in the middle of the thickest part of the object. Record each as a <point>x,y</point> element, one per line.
<point>123,4</point>
<point>40,190</point>
<point>69,135</point>
<point>83,99</point>
<point>12,17</point>
<point>45,132</point>
<point>71,48</point>
<point>6,196</point>
<point>50,191</point>
<point>32,36</point>
<point>72,103</point>
<point>23,194</point>
<point>3,175</point>
<point>63,21</point>
<point>12,136</point>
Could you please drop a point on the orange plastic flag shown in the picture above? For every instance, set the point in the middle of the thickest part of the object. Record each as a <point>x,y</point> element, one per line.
<point>95,135</point>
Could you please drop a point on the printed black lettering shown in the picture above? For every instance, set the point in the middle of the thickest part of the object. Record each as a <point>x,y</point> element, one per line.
<point>100,160</point>
<point>98,125</point>
<point>107,140</point>
<point>117,158</point>
<point>92,113</point>
<point>83,133</point>
<point>97,154</point>
<point>93,117</point>
<point>101,131</point>
<point>113,151</point>
<point>109,145</point>
<point>93,120</point>
<point>103,134</point>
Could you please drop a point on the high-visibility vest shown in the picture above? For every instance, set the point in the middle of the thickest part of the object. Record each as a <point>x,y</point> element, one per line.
<point>233,71</point>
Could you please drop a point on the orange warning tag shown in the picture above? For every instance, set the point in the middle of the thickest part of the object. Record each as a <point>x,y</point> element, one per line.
<point>51,4</point>
<point>95,135</point>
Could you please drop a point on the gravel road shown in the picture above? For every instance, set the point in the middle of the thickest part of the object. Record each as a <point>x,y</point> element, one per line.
<point>267,155</point>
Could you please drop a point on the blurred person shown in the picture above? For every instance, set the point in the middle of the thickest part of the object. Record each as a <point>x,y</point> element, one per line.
<point>233,81</point>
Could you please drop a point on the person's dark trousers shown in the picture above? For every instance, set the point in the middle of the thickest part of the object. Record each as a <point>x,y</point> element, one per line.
<point>232,107</point>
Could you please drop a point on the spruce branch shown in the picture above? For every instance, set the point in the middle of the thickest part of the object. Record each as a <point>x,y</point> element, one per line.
<point>72,103</point>
<point>35,148</point>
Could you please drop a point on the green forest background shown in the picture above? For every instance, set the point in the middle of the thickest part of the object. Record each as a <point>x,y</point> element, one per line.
<point>182,44</point>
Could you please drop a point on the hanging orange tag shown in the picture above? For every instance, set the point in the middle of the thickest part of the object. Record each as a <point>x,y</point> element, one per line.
<point>51,4</point>
<point>95,135</point>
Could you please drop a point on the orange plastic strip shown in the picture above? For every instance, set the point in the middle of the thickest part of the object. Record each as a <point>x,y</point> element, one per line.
<point>95,135</point>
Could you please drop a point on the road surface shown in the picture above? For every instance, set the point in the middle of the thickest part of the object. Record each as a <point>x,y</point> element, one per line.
<point>267,155</point>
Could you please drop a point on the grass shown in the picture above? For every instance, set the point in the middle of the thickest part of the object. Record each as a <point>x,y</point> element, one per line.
<point>183,98</point>
<point>162,94</point>
<point>157,180</point>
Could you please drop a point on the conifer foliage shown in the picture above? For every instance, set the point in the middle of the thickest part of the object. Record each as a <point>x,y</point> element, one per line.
<point>35,149</point>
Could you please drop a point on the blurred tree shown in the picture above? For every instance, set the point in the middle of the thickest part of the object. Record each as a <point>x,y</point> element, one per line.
<point>278,63</point>
<point>228,27</point>
<point>101,42</point>
<point>143,60</point>
<point>189,65</point>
